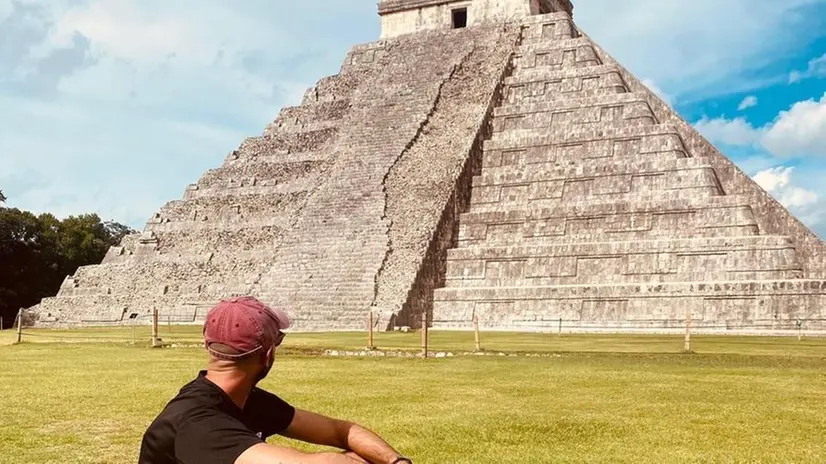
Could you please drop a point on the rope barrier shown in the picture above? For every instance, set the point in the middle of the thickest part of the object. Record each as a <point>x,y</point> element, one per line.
<point>661,336</point>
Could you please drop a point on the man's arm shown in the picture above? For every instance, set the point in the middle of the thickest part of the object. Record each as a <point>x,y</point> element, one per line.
<point>264,453</point>
<point>321,430</point>
<point>211,437</point>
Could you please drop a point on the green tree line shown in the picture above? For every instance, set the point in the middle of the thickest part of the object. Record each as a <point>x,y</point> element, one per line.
<point>37,252</point>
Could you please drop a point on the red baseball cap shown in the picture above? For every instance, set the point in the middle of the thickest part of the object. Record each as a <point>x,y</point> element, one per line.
<point>243,326</point>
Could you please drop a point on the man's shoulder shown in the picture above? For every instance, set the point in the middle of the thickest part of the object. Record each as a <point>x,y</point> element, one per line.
<point>268,413</point>
<point>265,398</point>
<point>191,399</point>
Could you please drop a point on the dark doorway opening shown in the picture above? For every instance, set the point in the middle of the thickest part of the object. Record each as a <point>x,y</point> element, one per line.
<point>459,18</point>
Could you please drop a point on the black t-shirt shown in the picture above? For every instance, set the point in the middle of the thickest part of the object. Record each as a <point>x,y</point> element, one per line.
<point>202,425</point>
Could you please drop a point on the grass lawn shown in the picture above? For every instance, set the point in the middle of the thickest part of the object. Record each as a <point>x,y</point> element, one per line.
<point>90,403</point>
<point>455,341</point>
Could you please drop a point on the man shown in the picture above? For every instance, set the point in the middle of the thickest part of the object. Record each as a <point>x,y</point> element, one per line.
<point>222,417</point>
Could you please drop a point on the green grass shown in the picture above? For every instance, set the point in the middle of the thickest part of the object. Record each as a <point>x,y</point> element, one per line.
<point>90,403</point>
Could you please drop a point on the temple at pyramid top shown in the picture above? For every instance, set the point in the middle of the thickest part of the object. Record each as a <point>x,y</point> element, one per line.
<point>407,16</point>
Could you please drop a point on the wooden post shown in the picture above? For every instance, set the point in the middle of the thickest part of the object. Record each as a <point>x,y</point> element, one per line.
<point>477,346</point>
<point>424,334</point>
<point>154,327</point>
<point>370,345</point>
<point>20,325</point>
<point>687,347</point>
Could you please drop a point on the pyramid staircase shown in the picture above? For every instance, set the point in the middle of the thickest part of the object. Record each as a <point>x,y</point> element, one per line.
<point>592,212</point>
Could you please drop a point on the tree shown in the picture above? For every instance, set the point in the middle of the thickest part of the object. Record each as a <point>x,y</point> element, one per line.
<point>28,261</point>
<point>38,252</point>
<point>2,197</point>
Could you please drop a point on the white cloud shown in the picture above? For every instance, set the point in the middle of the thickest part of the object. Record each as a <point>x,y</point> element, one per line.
<point>773,178</point>
<point>701,48</point>
<point>748,102</point>
<point>736,131</point>
<point>170,91</point>
<point>799,131</point>
<point>123,30</point>
<point>816,68</point>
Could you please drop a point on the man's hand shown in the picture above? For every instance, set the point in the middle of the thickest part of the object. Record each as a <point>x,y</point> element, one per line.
<point>269,454</point>
<point>321,430</point>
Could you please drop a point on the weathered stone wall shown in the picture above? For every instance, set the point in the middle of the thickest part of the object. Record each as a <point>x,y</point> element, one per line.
<point>399,17</point>
<point>598,208</point>
<point>418,195</point>
<point>219,239</point>
<point>331,211</point>
<point>771,216</point>
<point>362,240</point>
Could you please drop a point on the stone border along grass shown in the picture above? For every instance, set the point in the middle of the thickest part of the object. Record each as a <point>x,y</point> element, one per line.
<point>433,354</point>
<point>411,353</point>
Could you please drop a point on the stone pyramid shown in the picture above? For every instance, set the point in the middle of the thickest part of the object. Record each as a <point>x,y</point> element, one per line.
<point>484,158</point>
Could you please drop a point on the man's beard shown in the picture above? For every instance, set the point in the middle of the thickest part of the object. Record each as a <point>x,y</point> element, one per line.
<point>264,372</point>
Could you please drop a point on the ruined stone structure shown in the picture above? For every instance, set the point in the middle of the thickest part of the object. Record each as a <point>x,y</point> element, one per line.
<point>484,158</point>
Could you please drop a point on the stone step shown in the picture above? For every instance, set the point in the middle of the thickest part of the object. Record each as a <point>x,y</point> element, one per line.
<point>85,310</point>
<point>196,250</point>
<point>572,115</point>
<point>511,174</point>
<point>666,245</point>
<point>209,278</point>
<point>254,174</point>
<point>298,142</point>
<point>279,158</point>
<point>709,303</point>
<point>546,185</point>
<point>338,87</point>
<point>107,309</point>
<point>543,137</point>
<point>309,116</point>
<point>364,57</point>
<point>226,225</point>
<point>548,27</point>
<point>235,208</point>
<point>255,235</point>
<point>282,128</point>
<point>541,85</point>
<point>730,258</point>
<point>513,199</point>
<point>555,55</point>
<point>598,220</point>
<point>538,146</point>
<point>252,186</point>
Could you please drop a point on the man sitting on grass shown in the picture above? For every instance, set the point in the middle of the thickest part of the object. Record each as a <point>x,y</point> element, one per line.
<point>222,417</point>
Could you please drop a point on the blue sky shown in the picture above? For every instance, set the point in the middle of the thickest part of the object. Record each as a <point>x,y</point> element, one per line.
<point>114,106</point>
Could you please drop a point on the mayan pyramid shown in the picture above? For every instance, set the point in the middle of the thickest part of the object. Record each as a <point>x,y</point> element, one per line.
<point>483,158</point>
